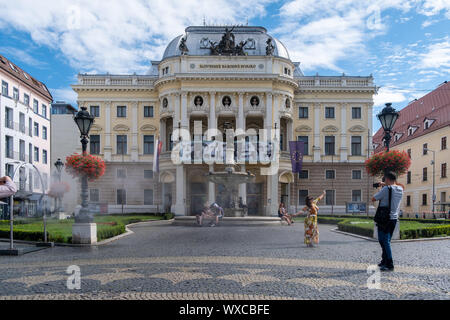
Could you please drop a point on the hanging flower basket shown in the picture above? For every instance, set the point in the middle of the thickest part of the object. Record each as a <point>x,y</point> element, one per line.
<point>78,165</point>
<point>394,161</point>
<point>57,189</point>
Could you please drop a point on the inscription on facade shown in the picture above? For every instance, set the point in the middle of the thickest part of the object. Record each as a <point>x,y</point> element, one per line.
<point>227,66</point>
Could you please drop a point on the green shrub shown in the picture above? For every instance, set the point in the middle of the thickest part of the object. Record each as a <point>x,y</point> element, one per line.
<point>427,232</point>
<point>109,232</point>
<point>346,226</point>
<point>168,216</point>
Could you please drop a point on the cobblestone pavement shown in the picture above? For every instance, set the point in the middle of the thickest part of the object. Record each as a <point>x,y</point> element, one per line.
<point>174,262</point>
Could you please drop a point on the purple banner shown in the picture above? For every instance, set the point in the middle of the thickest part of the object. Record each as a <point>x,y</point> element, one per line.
<point>296,149</point>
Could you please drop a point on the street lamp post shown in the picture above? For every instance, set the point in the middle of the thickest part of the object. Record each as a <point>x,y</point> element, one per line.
<point>84,230</point>
<point>387,117</point>
<point>433,162</point>
<point>59,165</point>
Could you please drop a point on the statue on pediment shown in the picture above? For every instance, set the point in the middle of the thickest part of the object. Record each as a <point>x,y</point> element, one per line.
<point>270,48</point>
<point>227,45</point>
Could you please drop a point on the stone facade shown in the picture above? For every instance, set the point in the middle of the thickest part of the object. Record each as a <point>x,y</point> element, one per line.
<point>289,105</point>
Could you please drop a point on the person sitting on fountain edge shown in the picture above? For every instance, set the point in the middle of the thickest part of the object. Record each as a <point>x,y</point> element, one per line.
<point>218,213</point>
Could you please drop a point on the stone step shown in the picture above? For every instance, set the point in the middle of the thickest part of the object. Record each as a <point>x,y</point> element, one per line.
<point>230,221</point>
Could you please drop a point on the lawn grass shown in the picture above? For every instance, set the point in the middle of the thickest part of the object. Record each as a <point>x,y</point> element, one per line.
<point>409,229</point>
<point>61,230</point>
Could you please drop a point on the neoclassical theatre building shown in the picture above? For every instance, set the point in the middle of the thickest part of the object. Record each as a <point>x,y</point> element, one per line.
<point>236,77</point>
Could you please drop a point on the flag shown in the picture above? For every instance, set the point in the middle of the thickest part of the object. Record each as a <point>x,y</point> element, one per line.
<point>296,149</point>
<point>156,155</point>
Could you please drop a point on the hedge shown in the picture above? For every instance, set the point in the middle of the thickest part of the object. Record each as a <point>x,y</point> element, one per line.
<point>346,226</point>
<point>428,232</point>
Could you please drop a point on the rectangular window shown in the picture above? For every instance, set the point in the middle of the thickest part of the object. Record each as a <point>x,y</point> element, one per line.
<point>121,111</point>
<point>303,112</point>
<point>302,194</point>
<point>22,122</point>
<point>443,143</point>
<point>408,177</point>
<point>5,88</point>
<point>424,199</point>
<point>305,144</point>
<point>356,196</point>
<point>16,94</point>
<point>44,132</point>
<point>329,197</point>
<point>94,144</point>
<point>9,147</point>
<point>121,196</point>
<point>356,113</point>
<point>304,174</point>
<point>356,145</point>
<point>148,112</point>
<point>121,173</point>
<point>329,112</point>
<point>44,156</point>
<point>30,153</point>
<point>45,180</point>
<point>121,144</point>
<point>356,174</point>
<point>9,170</point>
<point>443,170</point>
<point>30,180</point>
<point>30,127</point>
<point>409,153</point>
<point>148,174</point>
<point>149,144</point>
<point>9,118</point>
<point>22,150</point>
<point>424,174</point>
<point>443,196</point>
<point>330,174</point>
<point>35,106</point>
<point>37,181</point>
<point>26,99</point>
<point>36,154</point>
<point>94,195</point>
<point>425,149</point>
<point>44,111</point>
<point>95,111</point>
<point>22,178</point>
<point>329,145</point>
<point>36,129</point>
<point>148,197</point>
<point>408,201</point>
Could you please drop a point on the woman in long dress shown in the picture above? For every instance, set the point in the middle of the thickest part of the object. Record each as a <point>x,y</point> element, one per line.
<point>311,228</point>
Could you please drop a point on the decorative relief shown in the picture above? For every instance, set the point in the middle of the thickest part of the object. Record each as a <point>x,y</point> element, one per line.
<point>121,127</point>
<point>357,128</point>
<point>96,127</point>
<point>148,127</point>
<point>303,128</point>
<point>330,128</point>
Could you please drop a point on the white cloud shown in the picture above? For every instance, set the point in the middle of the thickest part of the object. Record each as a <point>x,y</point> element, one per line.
<point>437,56</point>
<point>387,94</point>
<point>117,36</point>
<point>23,56</point>
<point>64,94</point>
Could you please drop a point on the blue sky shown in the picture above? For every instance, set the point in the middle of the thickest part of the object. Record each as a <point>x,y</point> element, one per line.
<point>405,44</point>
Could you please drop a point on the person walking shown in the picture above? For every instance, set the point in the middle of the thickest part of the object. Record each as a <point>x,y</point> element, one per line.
<point>311,228</point>
<point>390,197</point>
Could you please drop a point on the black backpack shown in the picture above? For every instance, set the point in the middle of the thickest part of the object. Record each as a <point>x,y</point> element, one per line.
<point>382,216</point>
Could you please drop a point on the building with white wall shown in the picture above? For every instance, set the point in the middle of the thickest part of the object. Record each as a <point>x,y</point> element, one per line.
<point>24,134</point>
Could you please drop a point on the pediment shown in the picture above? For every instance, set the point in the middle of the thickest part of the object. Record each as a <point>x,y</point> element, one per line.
<point>330,128</point>
<point>121,127</point>
<point>96,127</point>
<point>303,128</point>
<point>148,127</point>
<point>357,128</point>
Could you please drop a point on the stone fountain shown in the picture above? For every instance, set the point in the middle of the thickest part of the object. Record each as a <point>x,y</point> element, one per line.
<point>231,180</point>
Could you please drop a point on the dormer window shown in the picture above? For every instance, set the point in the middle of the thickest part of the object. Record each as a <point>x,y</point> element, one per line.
<point>427,123</point>
<point>397,136</point>
<point>411,130</point>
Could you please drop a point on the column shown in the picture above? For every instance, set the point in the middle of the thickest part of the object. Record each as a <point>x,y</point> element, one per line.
<point>369,126</point>
<point>316,148</point>
<point>177,113</point>
<point>107,149</point>
<point>162,133</point>
<point>243,188</point>
<point>240,124</point>
<point>272,192</point>
<point>212,120</point>
<point>268,120</point>
<point>180,202</point>
<point>211,188</point>
<point>184,116</point>
<point>134,132</point>
<point>343,148</point>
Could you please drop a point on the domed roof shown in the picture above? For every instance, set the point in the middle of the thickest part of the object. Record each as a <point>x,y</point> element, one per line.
<point>199,38</point>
